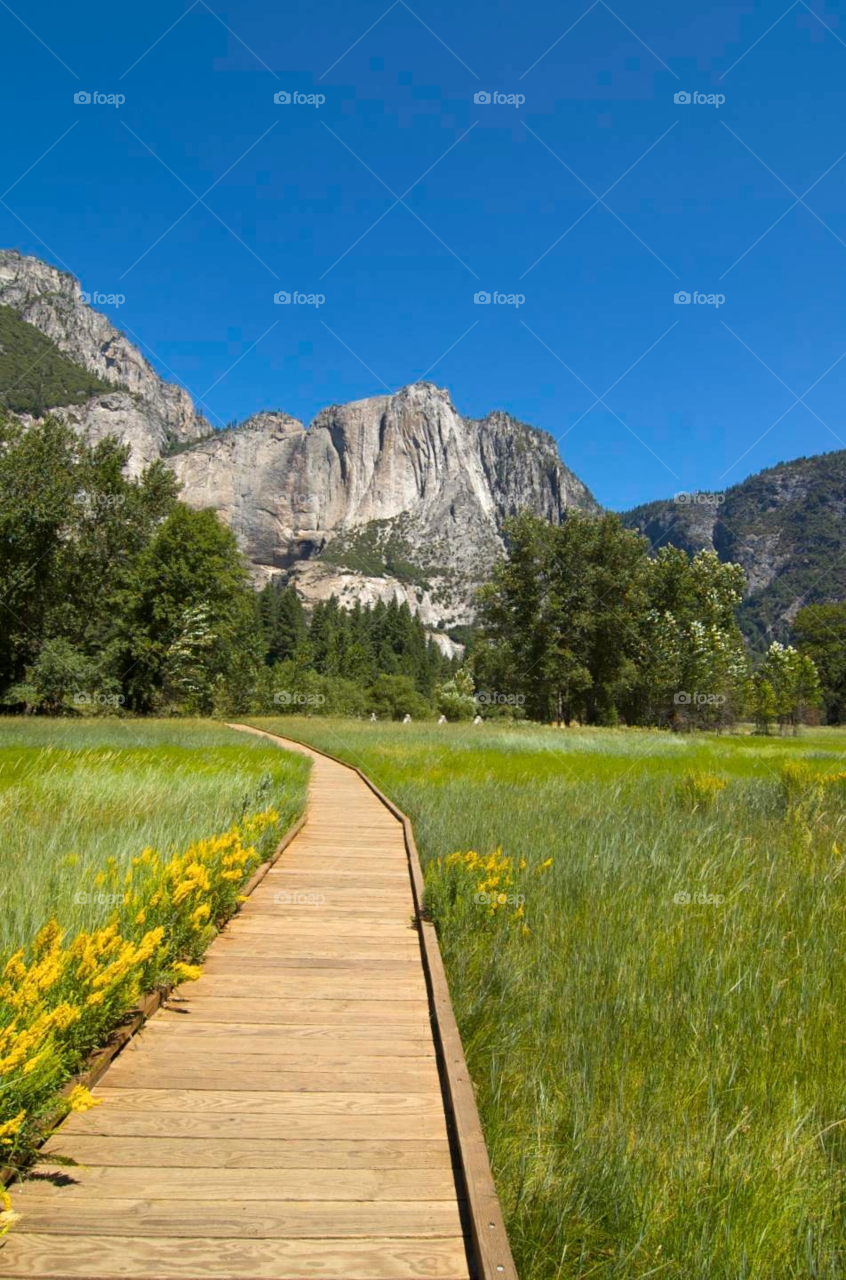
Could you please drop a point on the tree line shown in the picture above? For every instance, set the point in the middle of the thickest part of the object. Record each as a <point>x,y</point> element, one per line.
<point>114,595</point>
<point>585,624</point>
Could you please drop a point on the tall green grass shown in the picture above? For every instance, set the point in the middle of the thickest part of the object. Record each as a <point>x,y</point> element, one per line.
<point>74,793</point>
<point>661,1082</point>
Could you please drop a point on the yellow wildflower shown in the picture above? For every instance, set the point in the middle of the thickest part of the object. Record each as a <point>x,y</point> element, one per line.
<point>79,1099</point>
<point>8,1218</point>
<point>15,968</point>
<point>11,1127</point>
<point>544,866</point>
<point>187,972</point>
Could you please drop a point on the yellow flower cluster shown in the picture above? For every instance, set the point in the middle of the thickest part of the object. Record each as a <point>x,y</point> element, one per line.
<point>497,876</point>
<point>59,999</point>
<point>699,790</point>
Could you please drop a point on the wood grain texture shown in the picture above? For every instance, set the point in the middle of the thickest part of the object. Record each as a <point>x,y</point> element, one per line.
<point>31,1255</point>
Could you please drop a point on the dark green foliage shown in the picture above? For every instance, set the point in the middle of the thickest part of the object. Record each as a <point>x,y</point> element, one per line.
<point>580,623</point>
<point>34,375</point>
<point>283,623</point>
<point>394,697</point>
<point>112,593</point>
<point>820,633</point>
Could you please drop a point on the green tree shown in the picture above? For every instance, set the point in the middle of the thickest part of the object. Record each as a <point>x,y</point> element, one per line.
<point>793,680</point>
<point>190,617</point>
<point>820,633</point>
<point>563,610</point>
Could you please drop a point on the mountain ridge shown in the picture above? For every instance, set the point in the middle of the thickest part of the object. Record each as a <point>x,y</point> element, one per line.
<point>412,494</point>
<point>398,495</point>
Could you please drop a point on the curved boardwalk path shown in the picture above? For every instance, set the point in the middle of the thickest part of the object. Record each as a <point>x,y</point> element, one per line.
<point>283,1116</point>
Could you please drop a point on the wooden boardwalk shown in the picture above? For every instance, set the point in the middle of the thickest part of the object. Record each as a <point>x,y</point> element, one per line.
<point>283,1116</point>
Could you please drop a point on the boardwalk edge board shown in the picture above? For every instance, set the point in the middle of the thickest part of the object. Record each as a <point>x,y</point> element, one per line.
<point>102,1058</point>
<point>492,1250</point>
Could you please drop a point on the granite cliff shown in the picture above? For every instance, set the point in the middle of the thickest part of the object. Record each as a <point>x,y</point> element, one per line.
<point>393,496</point>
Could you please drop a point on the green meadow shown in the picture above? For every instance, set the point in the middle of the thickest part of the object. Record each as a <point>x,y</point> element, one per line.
<point>656,1033</point>
<point>74,793</point>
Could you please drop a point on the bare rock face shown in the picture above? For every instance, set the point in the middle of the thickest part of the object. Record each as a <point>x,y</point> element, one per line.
<point>396,496</point>
<point>391,496</point>
<point>51,301</point>
<point>124,416</point>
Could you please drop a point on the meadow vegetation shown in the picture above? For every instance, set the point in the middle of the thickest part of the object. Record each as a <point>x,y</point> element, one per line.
<point>125,848</point>
<point>654,1017</point>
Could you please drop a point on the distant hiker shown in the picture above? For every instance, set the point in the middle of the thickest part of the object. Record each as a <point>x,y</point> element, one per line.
<point>406,719</point>
<point>372,717</point>
<point>442,720</point>
<point>478,720</point>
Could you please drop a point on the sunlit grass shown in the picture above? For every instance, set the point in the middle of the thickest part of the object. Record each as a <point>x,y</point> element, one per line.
<point>73,794</point>
<point>660,1081</point>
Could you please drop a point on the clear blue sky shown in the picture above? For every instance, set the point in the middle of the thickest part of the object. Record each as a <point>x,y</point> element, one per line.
<point>481,209</point>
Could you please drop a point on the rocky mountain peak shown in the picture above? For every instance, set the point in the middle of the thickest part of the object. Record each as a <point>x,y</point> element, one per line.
<point>395,495</point>
<point>54,302</point>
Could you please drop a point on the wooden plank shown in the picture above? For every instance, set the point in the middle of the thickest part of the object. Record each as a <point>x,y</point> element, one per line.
<point>117,1123</point>
<point>384,1040</point>
<point>192,1184</point>
<point>244,1219</point>
<point>248,963</point>
<point>72,1257</point>
<point>169,1152</point>
<point>175,1072</point>
<point>271,1103</point>
<point>324,1013</point>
